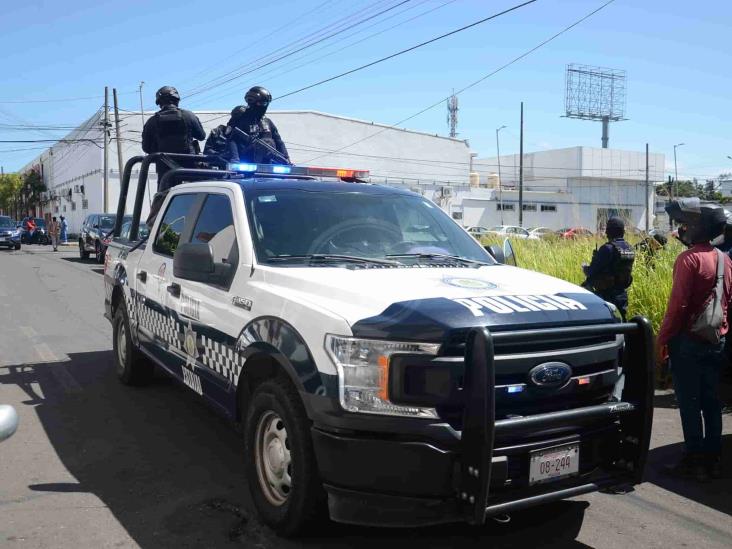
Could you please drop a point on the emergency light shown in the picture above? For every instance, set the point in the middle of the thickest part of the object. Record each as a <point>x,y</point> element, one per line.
<point>309,171</point>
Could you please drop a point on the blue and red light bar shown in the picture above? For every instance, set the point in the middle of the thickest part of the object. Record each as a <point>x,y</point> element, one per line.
<point>308,171</point>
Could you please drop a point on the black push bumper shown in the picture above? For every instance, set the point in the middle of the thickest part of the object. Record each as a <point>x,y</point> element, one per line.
<point>380,480</point>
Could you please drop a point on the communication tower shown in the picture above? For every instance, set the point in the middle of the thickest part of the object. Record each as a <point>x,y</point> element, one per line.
<point>452,114</point>
<point>595,93</point>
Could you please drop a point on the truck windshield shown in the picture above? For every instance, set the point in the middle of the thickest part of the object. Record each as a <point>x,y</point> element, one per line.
<point>289,225</point>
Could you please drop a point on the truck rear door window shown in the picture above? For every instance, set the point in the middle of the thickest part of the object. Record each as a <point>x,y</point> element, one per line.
<point>171,226</point>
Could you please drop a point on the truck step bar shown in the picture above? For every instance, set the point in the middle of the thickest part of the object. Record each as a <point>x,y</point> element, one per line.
<point>634,412</point>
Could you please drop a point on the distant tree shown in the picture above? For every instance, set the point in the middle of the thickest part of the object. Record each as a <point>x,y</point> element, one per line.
<point>10,185</point>
<point>32,188</point>
<point>679,189</point>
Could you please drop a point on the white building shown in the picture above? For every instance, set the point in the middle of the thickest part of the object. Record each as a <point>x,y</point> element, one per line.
<point>725,185</point>
<point>73,169</point>
<point>573,187</point>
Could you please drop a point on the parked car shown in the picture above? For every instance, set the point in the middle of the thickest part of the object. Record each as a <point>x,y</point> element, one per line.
<point>478,232</point>
<point>142,232</point>
<point>39,235</point>
<point>9,233</point>
<point>511,231</point>
<point>93,234</point>
<point>541,232</point>
<point>574,232</point>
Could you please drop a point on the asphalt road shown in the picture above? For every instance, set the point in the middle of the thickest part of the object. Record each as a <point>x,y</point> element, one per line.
<point>97,464</point>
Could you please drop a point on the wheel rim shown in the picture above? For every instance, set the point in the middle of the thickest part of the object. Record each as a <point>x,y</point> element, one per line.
<point>273,458</point>
<point>121,345</point>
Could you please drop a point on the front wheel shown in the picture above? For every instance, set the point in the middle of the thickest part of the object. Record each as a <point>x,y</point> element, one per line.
<point>280,462</point>
<point>131,366</point>
<point>83,254</point>
<point>17,246</point>
<point>98,252</point>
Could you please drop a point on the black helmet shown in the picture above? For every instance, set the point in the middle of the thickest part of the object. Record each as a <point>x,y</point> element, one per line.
<point>166,95</point>
<point>258,97</point>
<point>615,227</point>
<point>704,222</point>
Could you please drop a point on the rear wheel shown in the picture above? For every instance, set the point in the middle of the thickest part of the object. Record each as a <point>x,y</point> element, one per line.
<point>131,366</point>
<point>83,254</point>
<point>17,246</point>
<point>280,462</point>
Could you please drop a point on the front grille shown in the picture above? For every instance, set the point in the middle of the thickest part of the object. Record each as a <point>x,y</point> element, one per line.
<point>594,356</point>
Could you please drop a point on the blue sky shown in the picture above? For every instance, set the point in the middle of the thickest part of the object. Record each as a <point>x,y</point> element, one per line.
<point>676,53</point>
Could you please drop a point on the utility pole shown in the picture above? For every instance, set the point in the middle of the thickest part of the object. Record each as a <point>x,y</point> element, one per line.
<point>521,170</point>
<point>500,181</point>
<point>120,163</point>
<point>676,173</point>
<point>106,149</point>
<point>648,197</point>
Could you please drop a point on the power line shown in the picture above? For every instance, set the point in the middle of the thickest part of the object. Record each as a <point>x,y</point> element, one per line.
<point>476,82</point>
<point>349,28</point>
<point>407,50</point>
<point>67,99</point>
<point>291,67</point>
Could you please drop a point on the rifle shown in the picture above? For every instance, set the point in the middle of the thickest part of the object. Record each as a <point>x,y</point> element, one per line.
<point>243,137</point>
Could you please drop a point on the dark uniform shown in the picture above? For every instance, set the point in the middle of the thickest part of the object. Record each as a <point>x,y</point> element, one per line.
<point>609,275</point>
<point>251,120</point>
<point>171,130</point>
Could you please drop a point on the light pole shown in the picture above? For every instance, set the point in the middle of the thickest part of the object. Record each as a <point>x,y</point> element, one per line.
<point>676,172</point>
<point>500,181</point>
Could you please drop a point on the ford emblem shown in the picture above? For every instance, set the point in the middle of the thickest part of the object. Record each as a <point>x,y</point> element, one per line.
<point>550,374</point>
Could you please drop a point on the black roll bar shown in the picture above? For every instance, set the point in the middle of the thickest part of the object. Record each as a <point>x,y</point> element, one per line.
<point>634,412</point>
<point>123,189</point>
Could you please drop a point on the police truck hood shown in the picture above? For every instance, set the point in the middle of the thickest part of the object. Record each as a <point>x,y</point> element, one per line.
<point>424,303</point>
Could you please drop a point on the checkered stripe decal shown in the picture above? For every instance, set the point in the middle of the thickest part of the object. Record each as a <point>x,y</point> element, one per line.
<point>222,358</point>
<point>163,326</point>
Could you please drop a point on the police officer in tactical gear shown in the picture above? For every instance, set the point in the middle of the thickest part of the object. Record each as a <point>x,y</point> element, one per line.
<point>255,126</point>
<point>171,130</point>
<point>609,275</point>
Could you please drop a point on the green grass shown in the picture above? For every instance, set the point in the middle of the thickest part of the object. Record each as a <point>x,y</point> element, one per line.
<point>648,296</point>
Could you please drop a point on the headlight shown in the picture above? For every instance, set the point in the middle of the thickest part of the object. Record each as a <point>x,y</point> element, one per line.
<point>614,311</point>
<point>363,374</point>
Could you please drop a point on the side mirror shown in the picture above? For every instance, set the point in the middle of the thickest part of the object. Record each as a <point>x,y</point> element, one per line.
<point>194,261</point>
<point>8,421</point>
<point>508,253</point>
<point>496,252</point>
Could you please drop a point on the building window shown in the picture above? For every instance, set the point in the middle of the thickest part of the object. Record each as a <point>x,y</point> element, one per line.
<point>457,215</point>
<point>55,209</point>
<point>548,208</point>
<point>506,207</point>
<point>529,207</point>
<point>64,208</point>
<point>73,206</point>
<point>84,204</point>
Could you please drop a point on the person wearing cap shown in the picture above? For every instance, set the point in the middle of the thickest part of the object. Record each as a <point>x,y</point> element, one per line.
<point>252,123</point>
<point>609,275</point>
<point>171,130</point>
<point>696,356</point>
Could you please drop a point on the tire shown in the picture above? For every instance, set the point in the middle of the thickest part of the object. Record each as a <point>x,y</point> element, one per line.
<point>17,246</point>
<point>83,254</point>
<point>277,441</point>
<point>131,366</point>
<point>98,252</point>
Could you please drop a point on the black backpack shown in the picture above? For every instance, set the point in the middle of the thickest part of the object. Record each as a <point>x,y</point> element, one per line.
<point>173,133</point>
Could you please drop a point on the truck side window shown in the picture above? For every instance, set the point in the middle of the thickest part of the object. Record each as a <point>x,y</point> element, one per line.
<point>171,226</point>
<point>215,225</point>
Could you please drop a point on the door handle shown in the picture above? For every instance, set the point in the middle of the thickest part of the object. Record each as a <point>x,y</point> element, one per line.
<point>142,276</point>
<point>174,289</point>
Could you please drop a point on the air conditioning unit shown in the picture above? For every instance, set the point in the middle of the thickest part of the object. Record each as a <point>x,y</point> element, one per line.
<point>76,189</point>
<point>68,193</point>
<point>446,191</point>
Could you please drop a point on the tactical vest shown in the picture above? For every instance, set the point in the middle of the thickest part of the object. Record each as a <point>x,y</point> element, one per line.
<point>173,133</point>
<point>623,266</point>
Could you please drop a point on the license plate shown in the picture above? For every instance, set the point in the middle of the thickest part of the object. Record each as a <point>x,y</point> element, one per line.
<point>553,463</point>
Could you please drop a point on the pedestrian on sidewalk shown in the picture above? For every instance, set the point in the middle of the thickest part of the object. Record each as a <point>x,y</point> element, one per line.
<point>64,228</point>
<point>693,332</point>
<point>53,232</point>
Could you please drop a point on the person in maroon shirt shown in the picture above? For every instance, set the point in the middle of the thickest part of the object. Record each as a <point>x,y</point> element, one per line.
<point>695,363</point>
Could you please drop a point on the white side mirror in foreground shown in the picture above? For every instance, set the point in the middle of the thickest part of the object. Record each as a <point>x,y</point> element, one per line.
<point>8,421</point>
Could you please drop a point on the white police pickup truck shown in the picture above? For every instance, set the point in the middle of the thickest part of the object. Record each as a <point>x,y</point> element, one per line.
<point>382,365</point>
